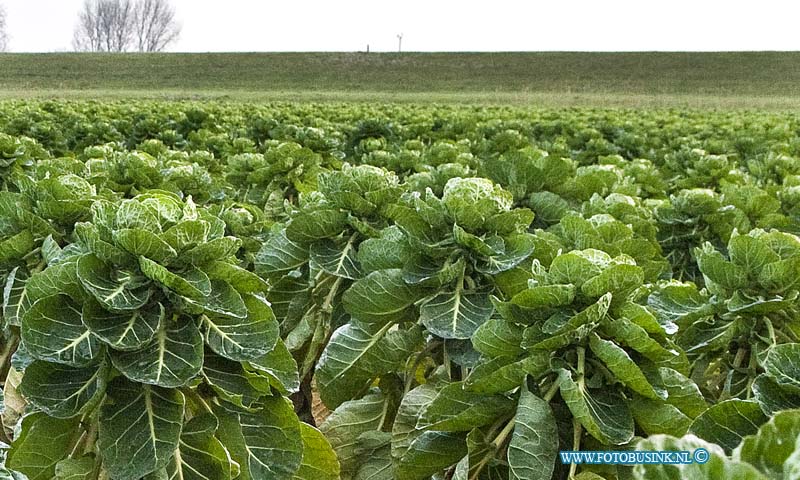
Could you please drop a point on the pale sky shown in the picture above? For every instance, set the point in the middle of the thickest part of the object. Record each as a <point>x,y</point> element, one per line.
<point>442,25</point>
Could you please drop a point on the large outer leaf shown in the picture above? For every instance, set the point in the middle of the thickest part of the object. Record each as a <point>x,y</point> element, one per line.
<point>430,453</point>
<point>266,443</point>
<point>137,241</point>
<point>172,359</point>
<point>123,331</point>
<point>223,300</point>
<point>200,455</point>
<point>192,283</point>
<point>456,314</point>
<point>313,225</point>
<point>356,354</point>
<point>506,373</point>
<point>534,443</point>
<point>602,413</point>
<point>381,297</point>
<point>41,443</point>
<point>140,426</point>
<point>498,338</point>
<point>115,290</point>
<point>404,430</point>
<point>717,467</point>
<point>771,397</point>
<point>773,445</point>
<point>243,339</point>
<point>54,331</point>
<point>343,427</point>
<point>15,297</point>
<point>623,367</point>
<point>376,449</point>
<point>336,260</point>
<point>232,383</point>
<point>457,410</point>
<point>62,391</point>
<point>782,365</point>
<point>319,459</point>
<point>726,423</point>
<point>279,255</point>
<point>279,367</point>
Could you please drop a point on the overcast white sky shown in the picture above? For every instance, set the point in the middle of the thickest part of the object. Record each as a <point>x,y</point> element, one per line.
<point>443,25</point>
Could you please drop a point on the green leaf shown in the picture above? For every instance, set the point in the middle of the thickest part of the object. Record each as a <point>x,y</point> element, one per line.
<point>780,276</point>
<point>140,427</point>
<point>534,442</point>
<point>14,248</point>
<point>430,453</point>
<point>243,339</point>
<point>309,226</point>
<point>545,296</point>
<point>603,413</point>
<point>200,455</point>
<point>15,297</point>
<point>771,397</point>
<point>232,383</point>
<point>279,255</point>
<point>61,278</point>
<point>381,297</point>
<point>336,260</point>
<point>620,280</point>
<point>720,271</point>
<point>193,283</point>
<point>139,242</point>
<point>172,359</point>
<point>623,367</point>
<point>61,391</point>
<point>216,249</point>
<point>42,442</point>
<point>319,459</point>
<point>376,449</point>
<point>518,248</point>
<point>655,417</point>
<point>717,467</point>
<point>242,280</point>
<point>751,253</point>
<point>505,373</point>
<point>498,338</point>
<point>782,365</point>
<point>356,354</point>
<point>343,427</point>
<point>726,423</point>
<point>266,443</point>
<point>773,445</point>
<point>187,234</point>
<point>279,367</point>
<point>53,331</point>
<point>82,468</point>
<point>223,300</point>
<point>116,290</point>
<point>577,266</point>
<point>455,314</point>
<point>123,331</point>
<point>455,409</point>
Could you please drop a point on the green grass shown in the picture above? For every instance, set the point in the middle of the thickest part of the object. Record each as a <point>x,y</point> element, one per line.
<point>726,80</point>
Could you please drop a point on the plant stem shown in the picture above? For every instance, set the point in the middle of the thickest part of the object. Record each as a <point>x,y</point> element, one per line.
<point>5,354</point>
<point>577,430</point>
<point>504,433</point>
<point>551,392</point>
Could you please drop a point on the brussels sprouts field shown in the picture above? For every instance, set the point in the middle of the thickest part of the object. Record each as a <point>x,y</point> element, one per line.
<point>291,291</point>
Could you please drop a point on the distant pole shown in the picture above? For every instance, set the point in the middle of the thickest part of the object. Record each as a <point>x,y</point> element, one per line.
<point>399,43</point>
<point>368,48</point>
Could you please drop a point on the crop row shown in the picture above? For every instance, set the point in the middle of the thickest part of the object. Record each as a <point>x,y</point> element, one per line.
<point>395,292</point>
